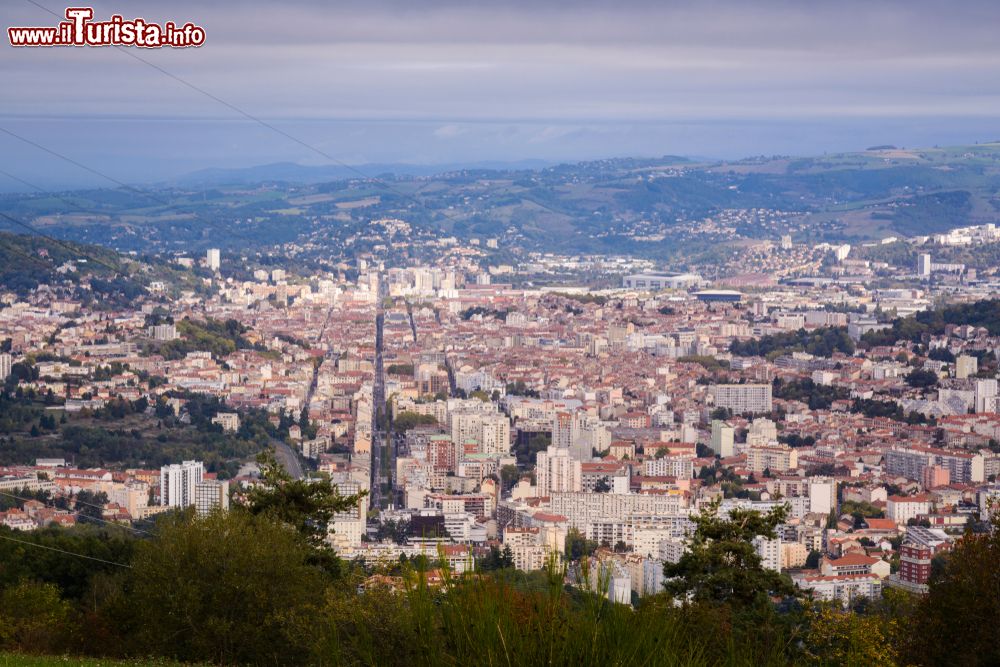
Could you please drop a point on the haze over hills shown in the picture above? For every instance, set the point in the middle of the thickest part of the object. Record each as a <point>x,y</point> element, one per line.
<point>511,333</point>
<point>661,208</point>
<point>291,172</point>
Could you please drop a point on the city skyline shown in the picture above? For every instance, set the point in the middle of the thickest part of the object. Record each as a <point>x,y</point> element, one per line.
<point>524,333</point>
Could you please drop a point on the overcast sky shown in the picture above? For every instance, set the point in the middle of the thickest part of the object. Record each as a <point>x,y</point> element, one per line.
<point>442,82</point>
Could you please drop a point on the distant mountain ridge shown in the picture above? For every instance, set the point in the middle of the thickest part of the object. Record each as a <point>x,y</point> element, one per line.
<point>669,208</point>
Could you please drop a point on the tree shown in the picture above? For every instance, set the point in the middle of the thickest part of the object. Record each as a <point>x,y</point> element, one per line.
<point>578,546</point>
<point>231,588</point>
<point>305,505</point>
<point>812,560</point>
<point>90,506</point>
<point>34,618</point>
<point>721,563</point>
<point>919,378</point>
<point>603,485</point>
<point>822,342</point>
<point>397,531</point>
<point>861,510</point>
<point>721,413</point>
<point>406,420</point>
<point>526,450</point>
<point>961,604</point>
<point>509,475</point>
<point>496,559</point>
<point>942,354</point>
<point>839,637</point>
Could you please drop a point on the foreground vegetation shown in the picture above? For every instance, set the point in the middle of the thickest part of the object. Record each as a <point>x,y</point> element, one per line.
<point>22,660</point>
<point>257,586</point>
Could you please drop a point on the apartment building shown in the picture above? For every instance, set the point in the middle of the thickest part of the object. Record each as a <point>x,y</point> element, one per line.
<point>844,588</point>
<point>680,466</point>
<point>229,421</point>
<point>911,462</point>
<point>775,458</point>
<point>580,509</point>
<point>919,547</point>
<point>903,508</point>
<point>723,438</point>
<point>177,483</point>
<point>555,471</point>
<point>490,430</point>
<point>743,398</point>
<point>769,551</point>
<point>209,495</point>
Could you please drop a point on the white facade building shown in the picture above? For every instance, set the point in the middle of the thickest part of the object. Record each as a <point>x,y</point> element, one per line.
<point>743,398</point>
<point>723,438</point>
<point>178,481</point>
<point>924,265</point>
<point>212,259</point>
<point>769,551</point>
<point>556,471</point>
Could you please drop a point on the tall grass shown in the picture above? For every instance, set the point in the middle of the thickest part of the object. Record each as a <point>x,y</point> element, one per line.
<point>493,620</point>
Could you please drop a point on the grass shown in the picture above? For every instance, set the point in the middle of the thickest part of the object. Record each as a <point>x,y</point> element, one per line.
<point>16,660</point>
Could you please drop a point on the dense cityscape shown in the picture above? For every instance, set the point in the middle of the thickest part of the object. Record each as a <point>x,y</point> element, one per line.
<point>476,426</point>
<point>633,334</point>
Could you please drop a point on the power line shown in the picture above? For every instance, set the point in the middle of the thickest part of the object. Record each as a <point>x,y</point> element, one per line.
<point>12,249</point>
<point>63,551</point>
<point>69,159</point>
<point>86,168</point>
<point>142,193</point>
<point>35,230</point>
<point>263,123</point>
<point>80,513</point>
<point>50,193</point>
<point>56,195</point>
<point>63,245</point>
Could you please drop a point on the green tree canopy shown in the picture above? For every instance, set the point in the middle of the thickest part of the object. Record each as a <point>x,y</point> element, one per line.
<point>721,563</point>
<point>230,588</point>
<point>305,505</point>
<point>962,604</point>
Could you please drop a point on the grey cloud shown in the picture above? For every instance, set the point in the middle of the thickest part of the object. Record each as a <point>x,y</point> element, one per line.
<point>575,79</point>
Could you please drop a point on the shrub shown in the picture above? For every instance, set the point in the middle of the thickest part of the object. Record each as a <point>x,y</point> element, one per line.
<point>34,618</point>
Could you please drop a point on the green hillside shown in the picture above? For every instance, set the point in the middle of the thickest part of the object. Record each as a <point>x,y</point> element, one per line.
<point>649,207</point>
